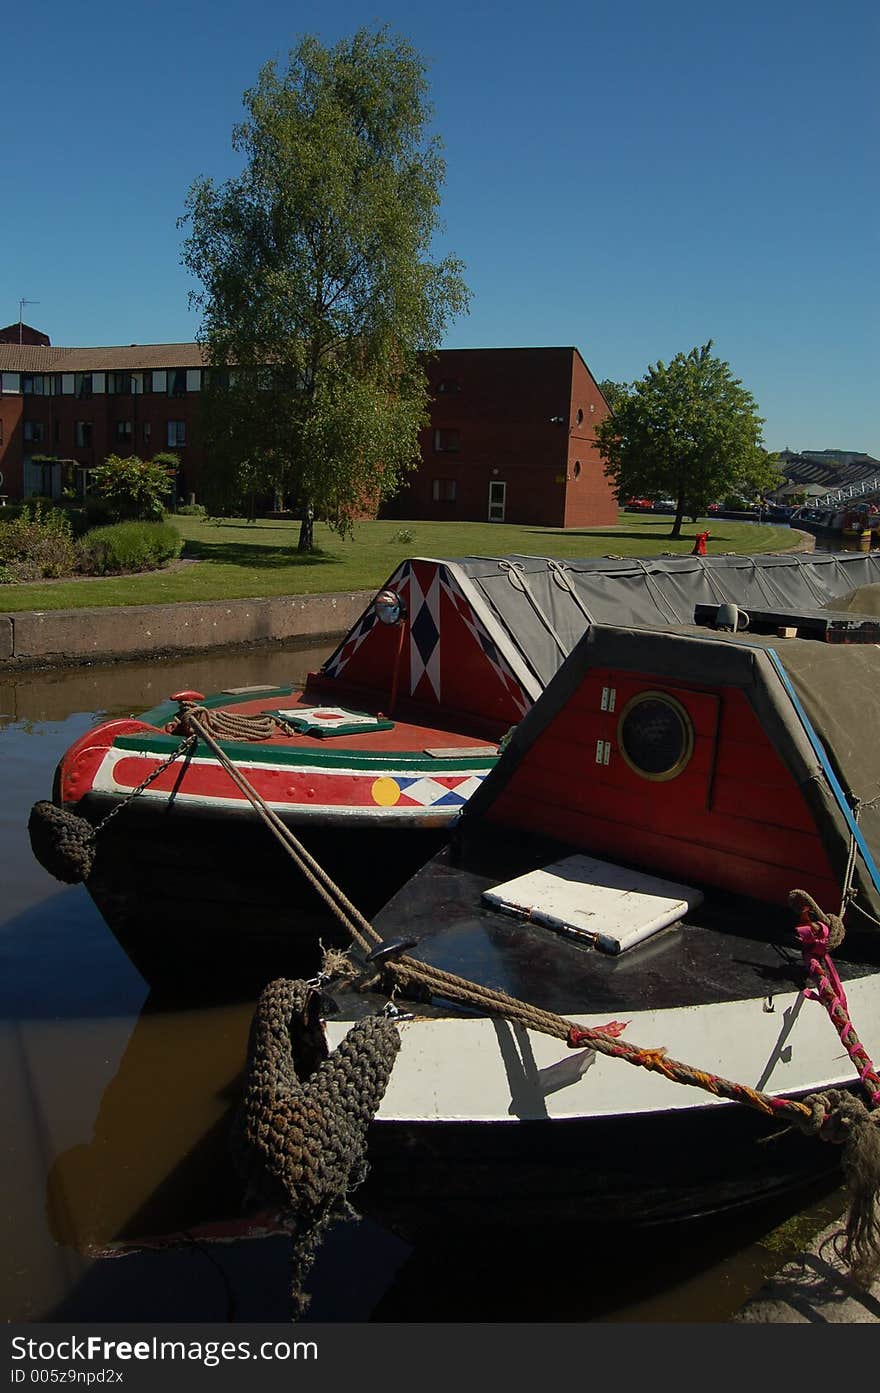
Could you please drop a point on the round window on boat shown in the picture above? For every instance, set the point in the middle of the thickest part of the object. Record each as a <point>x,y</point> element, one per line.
<point>655,735</point>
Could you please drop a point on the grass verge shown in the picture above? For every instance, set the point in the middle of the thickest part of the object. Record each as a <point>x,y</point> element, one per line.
<point>239,559</point>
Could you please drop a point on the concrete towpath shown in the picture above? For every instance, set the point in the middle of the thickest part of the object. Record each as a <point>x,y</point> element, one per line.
<point>814,1288</point>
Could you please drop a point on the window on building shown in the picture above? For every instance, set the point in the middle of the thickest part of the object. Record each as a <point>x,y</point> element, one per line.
<point>82,434</point>
<point>176,433</point>
<point>443,490</point>
<point>33,432</point>
<point>148,381</point>
<point>123,432</point>
<point>445,440</point>
<point>147,429</point>
<point>577,469</point>
<point>11,382</point>
<point>32,384</point>
<point>82,385</point>
<point>120,383</point>
<point>177,382</point>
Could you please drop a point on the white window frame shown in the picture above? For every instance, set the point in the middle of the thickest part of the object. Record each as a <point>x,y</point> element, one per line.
<point>497,507</point>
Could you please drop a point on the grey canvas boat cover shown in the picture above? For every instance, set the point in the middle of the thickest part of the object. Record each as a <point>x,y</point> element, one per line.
<point>545,604</point>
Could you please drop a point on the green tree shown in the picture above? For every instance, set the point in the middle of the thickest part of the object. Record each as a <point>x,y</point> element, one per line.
<point>319,299</point>
<point>134,489</point>
<point>614,392</point>
<point>687,430</point>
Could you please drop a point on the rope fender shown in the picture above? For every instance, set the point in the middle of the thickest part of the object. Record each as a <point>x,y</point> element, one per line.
<point>63,843</point>
<point>66,844</point>
<point>299,1136</point>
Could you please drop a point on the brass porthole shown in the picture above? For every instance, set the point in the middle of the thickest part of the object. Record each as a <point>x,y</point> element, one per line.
<point>655,735</point>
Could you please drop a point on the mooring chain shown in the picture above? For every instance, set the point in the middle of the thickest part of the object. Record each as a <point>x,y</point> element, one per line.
<point>65,844</point>
<point>185,747</point>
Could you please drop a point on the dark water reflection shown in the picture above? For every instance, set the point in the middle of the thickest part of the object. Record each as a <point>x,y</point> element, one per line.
<point>115,1113</point>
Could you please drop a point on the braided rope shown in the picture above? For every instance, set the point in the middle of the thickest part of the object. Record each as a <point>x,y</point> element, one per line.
<point>817,938</point>
<point>299,1136</point>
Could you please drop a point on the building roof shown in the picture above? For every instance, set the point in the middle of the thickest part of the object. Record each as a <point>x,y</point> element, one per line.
<point>132,357</point>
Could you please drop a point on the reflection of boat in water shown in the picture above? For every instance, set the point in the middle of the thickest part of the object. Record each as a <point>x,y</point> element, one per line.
<point>156,1171</point>
<point>624,878</point>
<point>371,762</point>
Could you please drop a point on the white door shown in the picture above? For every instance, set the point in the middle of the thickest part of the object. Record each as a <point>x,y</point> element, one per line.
<point>497,500</point>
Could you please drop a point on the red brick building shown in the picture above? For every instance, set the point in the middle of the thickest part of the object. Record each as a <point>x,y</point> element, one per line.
<point>512,434</point>
<point>512,439</point>
<point>76,406</point>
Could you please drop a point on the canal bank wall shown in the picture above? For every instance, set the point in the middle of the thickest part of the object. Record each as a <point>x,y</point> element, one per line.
<point>56,638</point>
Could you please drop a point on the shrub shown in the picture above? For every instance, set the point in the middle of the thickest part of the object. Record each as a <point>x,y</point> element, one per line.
<point>98,511</point>
<point>37,544</point>
<point>192,510</point>
<point>133,488</point>
<point>128,546</point>
<point>404,536</point>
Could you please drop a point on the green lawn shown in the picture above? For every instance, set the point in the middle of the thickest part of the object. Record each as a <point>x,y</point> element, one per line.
<point>238,559</point>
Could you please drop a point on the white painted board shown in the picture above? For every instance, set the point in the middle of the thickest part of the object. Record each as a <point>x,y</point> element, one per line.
<point>609,905</point>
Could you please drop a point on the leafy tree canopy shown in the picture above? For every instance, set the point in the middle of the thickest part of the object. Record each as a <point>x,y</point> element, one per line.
<point>134,488</point>
<point>319,297</point>
<point>687,430</point>
<point>614,392</point>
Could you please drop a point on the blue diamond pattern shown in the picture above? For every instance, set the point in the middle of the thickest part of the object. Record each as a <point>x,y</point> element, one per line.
<point>424,631</point>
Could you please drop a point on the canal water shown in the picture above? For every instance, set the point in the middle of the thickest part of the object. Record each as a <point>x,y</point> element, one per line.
<point>113,1160</point>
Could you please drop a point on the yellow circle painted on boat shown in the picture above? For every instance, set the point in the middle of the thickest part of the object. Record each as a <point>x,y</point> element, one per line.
<point>386,792</point>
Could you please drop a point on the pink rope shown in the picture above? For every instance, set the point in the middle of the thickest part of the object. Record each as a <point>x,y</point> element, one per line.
<point>813,935</point>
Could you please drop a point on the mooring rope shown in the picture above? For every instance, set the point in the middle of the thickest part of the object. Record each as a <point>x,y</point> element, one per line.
<point>236,725</point>
<point>818,934</point>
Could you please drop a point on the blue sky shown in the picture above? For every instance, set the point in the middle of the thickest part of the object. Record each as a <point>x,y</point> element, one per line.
<point>632,179</point>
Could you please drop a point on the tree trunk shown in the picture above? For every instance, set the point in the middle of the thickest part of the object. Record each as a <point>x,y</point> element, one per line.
<point>676,526</point>
<point>307,529</point>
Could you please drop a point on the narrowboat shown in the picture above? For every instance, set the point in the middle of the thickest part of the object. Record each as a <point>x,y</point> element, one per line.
<point>612,997</point>
<point>201,816</point>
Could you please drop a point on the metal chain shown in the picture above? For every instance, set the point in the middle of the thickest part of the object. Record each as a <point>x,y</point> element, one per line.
<point>185,745</point>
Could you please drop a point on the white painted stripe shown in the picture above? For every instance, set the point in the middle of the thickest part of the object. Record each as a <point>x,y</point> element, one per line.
<point>456,1069</point>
